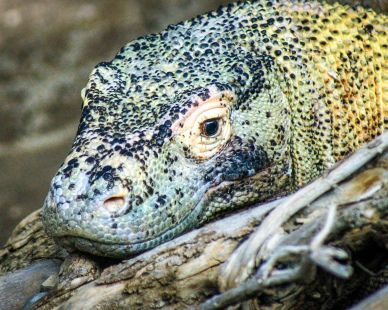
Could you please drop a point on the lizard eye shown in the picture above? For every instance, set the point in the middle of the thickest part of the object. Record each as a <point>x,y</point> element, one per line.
<point>206,127</point>
<point>211,127</point>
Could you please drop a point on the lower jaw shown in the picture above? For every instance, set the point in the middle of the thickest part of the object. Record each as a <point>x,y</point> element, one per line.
<point>118,250</point>
<point>125,250</point>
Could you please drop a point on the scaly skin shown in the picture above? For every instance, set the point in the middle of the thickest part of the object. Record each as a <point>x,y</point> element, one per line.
<point>233,107</point>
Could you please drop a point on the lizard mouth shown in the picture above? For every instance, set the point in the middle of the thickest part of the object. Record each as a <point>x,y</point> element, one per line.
<point>126,249</point>
<point>118,249</point>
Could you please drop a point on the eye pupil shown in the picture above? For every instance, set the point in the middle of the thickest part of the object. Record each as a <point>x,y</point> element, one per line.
<point>210,127</point>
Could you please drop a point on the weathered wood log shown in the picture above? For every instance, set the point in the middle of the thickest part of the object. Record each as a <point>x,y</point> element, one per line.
<point>185,272</point>
<point>17,287</point>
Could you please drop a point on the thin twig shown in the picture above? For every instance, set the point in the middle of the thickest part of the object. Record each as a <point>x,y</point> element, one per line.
<point>327,257</point>
<point>325,231</point>
<point>250,289</point>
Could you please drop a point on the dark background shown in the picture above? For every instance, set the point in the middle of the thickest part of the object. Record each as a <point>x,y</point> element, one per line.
<point>47,50</point>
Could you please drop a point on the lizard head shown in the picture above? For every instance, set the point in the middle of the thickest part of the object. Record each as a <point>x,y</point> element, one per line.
<point>179,127</point>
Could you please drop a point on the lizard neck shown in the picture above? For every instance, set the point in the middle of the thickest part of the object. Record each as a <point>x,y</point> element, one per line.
<point>333,68</point>
<point>346,61</point>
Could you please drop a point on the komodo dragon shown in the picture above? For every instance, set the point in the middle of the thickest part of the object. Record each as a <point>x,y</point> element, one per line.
<point>236,106</point>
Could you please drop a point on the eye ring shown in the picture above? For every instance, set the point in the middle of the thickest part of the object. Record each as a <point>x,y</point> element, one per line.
<point>211,127</point>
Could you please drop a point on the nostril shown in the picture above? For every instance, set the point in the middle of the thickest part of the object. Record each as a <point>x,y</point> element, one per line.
<point>114,204</point>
